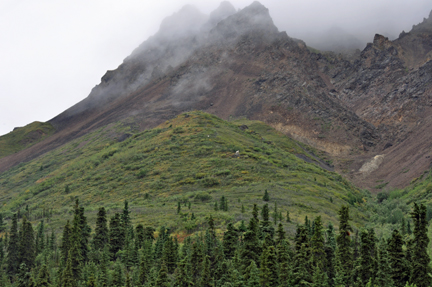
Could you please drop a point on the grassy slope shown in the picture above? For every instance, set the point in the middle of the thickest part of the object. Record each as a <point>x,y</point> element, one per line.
<point>420,190</point>
<point>189,158</point>
<point>396,204</point>
<point>24,137</point>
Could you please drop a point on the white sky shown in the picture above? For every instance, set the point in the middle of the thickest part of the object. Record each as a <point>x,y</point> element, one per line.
<point>53,52</point>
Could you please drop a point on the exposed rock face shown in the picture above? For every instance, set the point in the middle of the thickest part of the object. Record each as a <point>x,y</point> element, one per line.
<point>235,64</point>
<point>390,86</point>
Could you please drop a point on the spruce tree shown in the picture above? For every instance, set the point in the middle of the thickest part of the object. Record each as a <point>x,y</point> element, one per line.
<point>288,219</point>
<point>169,255</point>
<point>211,224</point>
<point>224,274</point>
<point>52,242</point>
<point>242,227</point>
<point>182,274</point>
<point>330,249</point>
<point>118,277</point>
<point>268,268</point>
<point>420,268</point>
<point>68,277</point>
<point>4,281</point>
<point>301,238</point>
<point>223,204</point>
<point>280,234</point>
<point>251,247</point>
<point>81,230</point>
<point>230,241</point>
<point>158,252</point>
<point>266,225</point>
<point>206,278</point>
<point>275,214</point>
<point>40,237</point>
<point>144,267</point>
<point>1,250</point>
<point>317,245</point>
<point>27,249</point>
<point>125,219</point>
<point>101,231</point>
<point>255,213</point>
<point>399,266</point>
<point>6,240</point>
<point>253,275</point>
<point>284,259</point>
<point>319,278</point>
<point>355,245</point>
<point>43,279</point>
<point>344,254</point>
<point>149,234</point>
<point>91,282</point>
<point>66,242</point>
<point>308,226</point>
<point>130,256</point>
<point>76,259</point>
<point>116,235</point>
<point>301,271</point>
<point>237,278</point>
<point>368,263</point>
<point>12,260</point>
<point>266,196</point>
<point>162,279</point>
<point>383,278</point>
<point>23,276</point>
<point>2,223</point>
<point>196,258</point>
<point>102,275</point>
<point>403,227</point>
<point>209,243</point>
<point>139,235</point>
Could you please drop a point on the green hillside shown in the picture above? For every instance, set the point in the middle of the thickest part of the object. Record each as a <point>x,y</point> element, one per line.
<point>24,137</point>
<point>190,159</point>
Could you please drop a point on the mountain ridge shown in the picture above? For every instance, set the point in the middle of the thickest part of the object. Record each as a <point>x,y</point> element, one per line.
<point>354,109</point>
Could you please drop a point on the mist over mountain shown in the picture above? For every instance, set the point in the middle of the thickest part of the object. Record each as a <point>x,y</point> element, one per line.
<point>239,64</point>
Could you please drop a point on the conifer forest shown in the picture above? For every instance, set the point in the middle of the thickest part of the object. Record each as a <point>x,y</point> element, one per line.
<point>258,253</point>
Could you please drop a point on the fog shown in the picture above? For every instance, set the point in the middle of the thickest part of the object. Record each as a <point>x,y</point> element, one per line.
<point>52,53</point>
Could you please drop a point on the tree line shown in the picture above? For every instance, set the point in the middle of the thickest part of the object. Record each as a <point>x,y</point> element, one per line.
<point>119,254</point>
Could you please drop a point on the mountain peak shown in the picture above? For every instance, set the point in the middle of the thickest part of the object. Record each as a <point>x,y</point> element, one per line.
<point>253,19</point>
<point>224,10</point>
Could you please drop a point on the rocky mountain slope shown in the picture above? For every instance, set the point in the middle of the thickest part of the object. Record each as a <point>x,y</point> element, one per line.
<point>390,86</point>
<point>371,114</point>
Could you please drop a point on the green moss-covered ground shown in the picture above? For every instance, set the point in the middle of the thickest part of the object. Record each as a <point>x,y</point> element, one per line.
<point>188,159</point>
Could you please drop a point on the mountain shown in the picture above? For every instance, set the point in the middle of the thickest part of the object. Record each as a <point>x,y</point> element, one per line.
<point>243,66</point>
<point>369,112</point>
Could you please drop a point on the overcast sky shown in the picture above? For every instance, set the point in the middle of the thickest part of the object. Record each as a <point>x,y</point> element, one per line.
<point>52,53</point>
